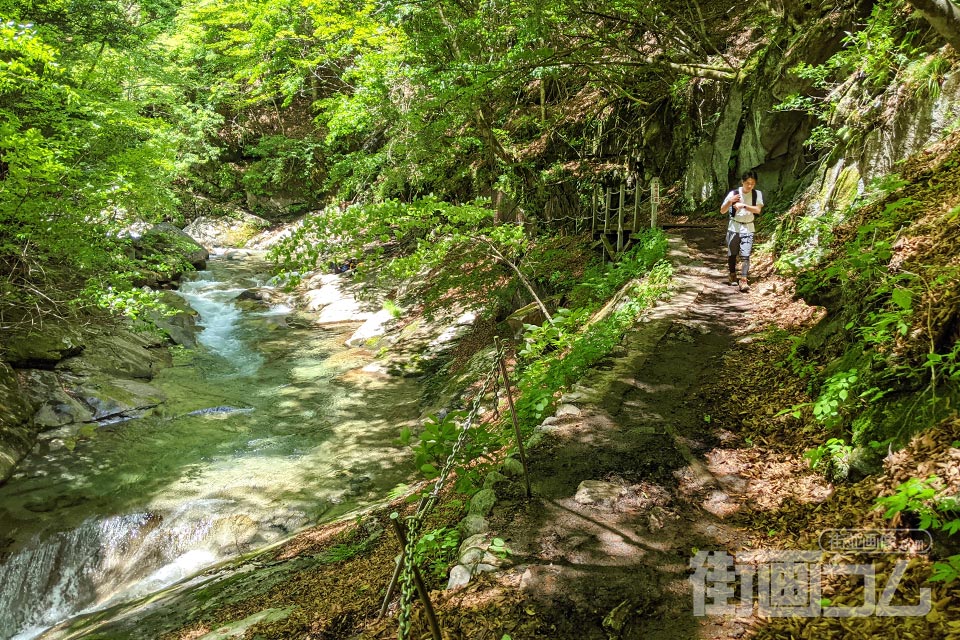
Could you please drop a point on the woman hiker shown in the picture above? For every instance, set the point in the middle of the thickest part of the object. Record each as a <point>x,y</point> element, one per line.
<point>741,205</point>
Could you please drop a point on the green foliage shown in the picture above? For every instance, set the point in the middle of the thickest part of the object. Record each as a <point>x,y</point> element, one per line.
<point>945,366</point>
<point>446,247</point>
<point>392,308</point>
<point>559,353</point>
<point>498,547</point>
<point>556,263</point>
<point>837,390</point>
<point>946,572</point>
<point>428,228</point>
<point>435,442</point>
<point>86,106</point>
<point>884,47</point>
<point>881,48</point>
<point>866,255</point>
<point>345,551</point>
<point>133,303</point>
<point>437,549</point>
<point>832,458</point>
<point>282,163</point>
<point>538,340</point>
<point>926,75</point>
<point>924,498</point>
<point>602,280</point>
<point>553,356</point>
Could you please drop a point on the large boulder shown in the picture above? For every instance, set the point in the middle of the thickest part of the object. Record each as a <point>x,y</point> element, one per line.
<point>168,240</point>
<point>56,408</point>
<point>66,379</point>
<point>375,327</point>
<point>233,231</point>
<point>121,353</point>
<point>108,379</point>
<point>164,253</point>
<point>910,123</point>
<point>113,398</point>
<point>335,298</point>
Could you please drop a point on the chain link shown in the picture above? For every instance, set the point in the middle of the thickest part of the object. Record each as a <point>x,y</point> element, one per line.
<point>415,522</point>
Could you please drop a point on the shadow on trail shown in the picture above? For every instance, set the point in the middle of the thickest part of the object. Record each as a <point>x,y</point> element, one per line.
<point>622,558</point>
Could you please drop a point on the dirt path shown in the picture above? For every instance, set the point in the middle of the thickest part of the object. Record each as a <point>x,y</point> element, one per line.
<point>622,495</point>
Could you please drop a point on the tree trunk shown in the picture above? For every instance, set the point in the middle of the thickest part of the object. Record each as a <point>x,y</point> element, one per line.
<point>944,16</point>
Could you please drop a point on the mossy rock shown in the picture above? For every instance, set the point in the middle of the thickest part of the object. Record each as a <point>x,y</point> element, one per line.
<point>169,242</point>
<point>16,430</point>
<point>42,349</point>
<point>482,502</point>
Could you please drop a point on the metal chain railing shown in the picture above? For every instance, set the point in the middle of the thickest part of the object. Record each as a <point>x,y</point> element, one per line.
<point>415,522</point>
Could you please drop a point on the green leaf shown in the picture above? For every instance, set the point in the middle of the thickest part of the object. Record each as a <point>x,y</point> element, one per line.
<point>903,298</point>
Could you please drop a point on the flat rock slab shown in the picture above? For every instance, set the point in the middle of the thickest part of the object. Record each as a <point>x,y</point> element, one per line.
<point>239,628</point>
<point>598,493</point>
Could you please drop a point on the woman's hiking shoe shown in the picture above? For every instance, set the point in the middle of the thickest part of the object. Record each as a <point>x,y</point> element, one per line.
<point>744,285</point>
<point>732,279</point>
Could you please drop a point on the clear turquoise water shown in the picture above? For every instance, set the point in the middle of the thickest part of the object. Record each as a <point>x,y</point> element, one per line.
<point>310,434</point>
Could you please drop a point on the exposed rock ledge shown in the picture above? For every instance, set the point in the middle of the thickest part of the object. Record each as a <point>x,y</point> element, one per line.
<point>64,380</point>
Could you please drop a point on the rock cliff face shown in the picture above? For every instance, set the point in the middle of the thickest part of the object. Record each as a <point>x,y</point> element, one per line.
<point>908,125</point>
<point>890,256</point>
<point>740,129</point>
<point>731,128</point>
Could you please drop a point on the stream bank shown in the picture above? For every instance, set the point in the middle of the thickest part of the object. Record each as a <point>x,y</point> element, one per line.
<point>265,429</point>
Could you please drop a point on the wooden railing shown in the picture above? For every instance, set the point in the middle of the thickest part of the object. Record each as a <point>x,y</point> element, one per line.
<point>622,211</point>
<point>613,212</point>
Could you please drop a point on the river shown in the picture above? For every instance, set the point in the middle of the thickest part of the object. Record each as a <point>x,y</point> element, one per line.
<point>267,428</point>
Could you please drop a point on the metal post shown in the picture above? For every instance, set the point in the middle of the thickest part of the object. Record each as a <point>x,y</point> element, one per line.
<point>418,581</point>
<point>391,588</point>
<point>513,414</point>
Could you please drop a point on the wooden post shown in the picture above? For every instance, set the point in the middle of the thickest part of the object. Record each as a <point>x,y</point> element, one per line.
<point>623,187</point>
<point>654,201</point>
<point>636,205</point>
<point>391,588</point>
<point>606,210</point>
<point>513,414</point>
<point>396,571</point>
<point>418,582</point>
<point>593,211</point>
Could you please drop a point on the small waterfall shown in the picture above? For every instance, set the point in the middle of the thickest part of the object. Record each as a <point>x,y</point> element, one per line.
<point>214,300</point>
<point>120,557</point>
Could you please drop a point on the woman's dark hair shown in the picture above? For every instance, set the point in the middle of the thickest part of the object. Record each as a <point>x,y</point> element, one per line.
<point>748,174</point>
